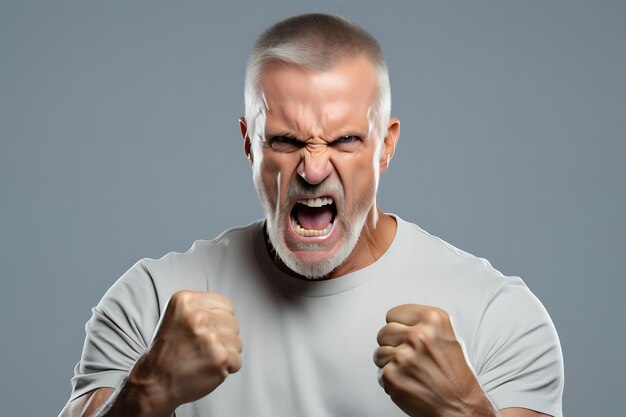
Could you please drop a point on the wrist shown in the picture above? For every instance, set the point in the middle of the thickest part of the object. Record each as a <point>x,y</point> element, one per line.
<point>144,398</point>
<point>134,400</point>
<point>482,406</point>
<point>139,395</point>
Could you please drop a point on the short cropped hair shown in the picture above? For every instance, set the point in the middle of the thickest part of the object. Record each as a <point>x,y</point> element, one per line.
<point>314,42</point>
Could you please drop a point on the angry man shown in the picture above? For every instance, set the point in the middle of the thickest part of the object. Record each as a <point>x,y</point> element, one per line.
<point>284,316</point>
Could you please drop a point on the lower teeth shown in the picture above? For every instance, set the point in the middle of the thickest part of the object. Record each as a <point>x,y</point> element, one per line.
<point>308,233</point>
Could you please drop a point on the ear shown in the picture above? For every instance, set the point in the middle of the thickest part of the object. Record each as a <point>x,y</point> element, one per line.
<point>389,143</point>
<point>247,146</point>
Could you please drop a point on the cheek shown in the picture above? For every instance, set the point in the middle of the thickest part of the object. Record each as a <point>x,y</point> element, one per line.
<point>274,171</point>
<point>358,177</point>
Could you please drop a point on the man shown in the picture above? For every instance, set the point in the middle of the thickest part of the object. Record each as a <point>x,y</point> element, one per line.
<point>308,290</point>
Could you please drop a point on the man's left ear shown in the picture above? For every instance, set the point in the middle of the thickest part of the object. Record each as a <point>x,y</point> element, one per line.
<point>389,143</point>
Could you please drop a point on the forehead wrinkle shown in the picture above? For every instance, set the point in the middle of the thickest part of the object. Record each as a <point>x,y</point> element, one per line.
<point>297,117</point>
<point>290,120</point>
<point>345,117</point>
<point>322,104</point>
<point>328,121</point>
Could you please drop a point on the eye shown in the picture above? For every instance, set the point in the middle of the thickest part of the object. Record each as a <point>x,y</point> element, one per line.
<point>283,143</point>
<point>347,141</point>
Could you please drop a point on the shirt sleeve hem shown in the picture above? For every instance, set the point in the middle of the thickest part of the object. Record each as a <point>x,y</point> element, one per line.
<point>520,401</point>
<point>108,379</point>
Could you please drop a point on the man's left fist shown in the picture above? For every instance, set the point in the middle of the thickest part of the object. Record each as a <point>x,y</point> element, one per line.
<point>423,366</point>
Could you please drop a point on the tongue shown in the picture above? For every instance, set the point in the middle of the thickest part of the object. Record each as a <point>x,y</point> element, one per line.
<point>314,218</point>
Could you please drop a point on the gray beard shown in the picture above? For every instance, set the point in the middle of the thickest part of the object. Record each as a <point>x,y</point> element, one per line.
<point>275,225</point>
<point>314,270</point>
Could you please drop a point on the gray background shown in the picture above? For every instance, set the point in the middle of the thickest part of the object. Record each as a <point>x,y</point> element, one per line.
<point>119,140</point>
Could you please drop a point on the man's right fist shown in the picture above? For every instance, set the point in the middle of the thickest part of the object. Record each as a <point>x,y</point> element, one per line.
<point>196,346</point>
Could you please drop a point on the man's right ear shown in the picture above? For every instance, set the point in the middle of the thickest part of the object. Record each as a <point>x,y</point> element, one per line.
<point>247,146</point>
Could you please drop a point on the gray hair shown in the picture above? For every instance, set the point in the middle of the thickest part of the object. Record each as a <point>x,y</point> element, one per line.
<point>314,42</point>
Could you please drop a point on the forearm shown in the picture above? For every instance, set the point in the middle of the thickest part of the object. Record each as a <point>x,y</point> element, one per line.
<point>134,399</point>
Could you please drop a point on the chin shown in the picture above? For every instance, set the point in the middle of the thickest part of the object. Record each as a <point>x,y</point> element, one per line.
<point>314,266</point>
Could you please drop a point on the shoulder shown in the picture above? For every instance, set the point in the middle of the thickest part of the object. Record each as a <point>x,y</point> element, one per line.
<point>432,257</point>
<point>470,277</point>
<point>491,308</point>
<point>203,252</point>
<point>160,278</point>
<point>477,277</point>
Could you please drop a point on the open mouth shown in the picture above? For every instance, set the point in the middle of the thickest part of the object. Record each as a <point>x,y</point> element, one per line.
<point>313,216</point>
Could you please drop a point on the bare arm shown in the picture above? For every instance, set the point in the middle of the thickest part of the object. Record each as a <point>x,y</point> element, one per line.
<point>130,399</point>
<point>87,405</point>
<point>521,412</point>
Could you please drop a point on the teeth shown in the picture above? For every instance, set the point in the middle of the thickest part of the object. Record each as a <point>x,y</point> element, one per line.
<point>312,202</point>
<point>316,202</point>
<point>308,233</point>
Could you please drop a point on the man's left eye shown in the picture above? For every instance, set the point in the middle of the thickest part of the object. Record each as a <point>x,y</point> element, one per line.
<point>344,140</point>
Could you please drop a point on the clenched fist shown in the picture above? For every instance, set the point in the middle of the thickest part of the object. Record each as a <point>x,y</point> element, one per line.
<point>196,346</point>
<point>423,366</point>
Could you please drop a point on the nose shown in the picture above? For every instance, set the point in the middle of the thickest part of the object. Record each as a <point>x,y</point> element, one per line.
<point>314,167</point>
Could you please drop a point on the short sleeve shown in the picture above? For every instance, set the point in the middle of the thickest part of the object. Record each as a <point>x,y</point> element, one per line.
<point>521,362</point>
<point>118,332</point>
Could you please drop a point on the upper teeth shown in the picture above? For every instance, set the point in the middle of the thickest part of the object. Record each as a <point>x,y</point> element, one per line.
<point>316,202</point>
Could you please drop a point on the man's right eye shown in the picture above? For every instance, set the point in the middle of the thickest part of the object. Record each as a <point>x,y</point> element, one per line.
<point>285,143</point>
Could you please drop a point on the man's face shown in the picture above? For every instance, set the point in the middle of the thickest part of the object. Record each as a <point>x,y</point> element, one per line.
<point>316,170</point>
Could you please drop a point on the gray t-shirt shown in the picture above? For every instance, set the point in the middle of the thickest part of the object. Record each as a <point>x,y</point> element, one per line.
<point>308,345</point>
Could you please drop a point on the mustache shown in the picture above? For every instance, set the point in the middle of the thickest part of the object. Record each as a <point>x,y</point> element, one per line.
<point>302,189</point>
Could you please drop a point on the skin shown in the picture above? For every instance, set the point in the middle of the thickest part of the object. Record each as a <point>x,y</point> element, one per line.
<point>197,345</point>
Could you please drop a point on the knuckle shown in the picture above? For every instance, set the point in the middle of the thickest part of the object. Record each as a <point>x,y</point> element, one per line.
<point>389,316</point>
<point>404,355</point>
<point>422,334</point>
<point>379,357</point>
<point>181,297</point>
<point>208,340</point>
<point>220,361</point>
<point>380,335</point>
<point>229,304</point>
<point>234,326</point>
<point>394,312</point>
<point>199,322</point>
<point>224,322</point>
<point>413,337</point>
<point>230,341</point>
<point>221,299</point>
<point>436,316</point>
<point>429,334</point>
<point>235,364</point>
